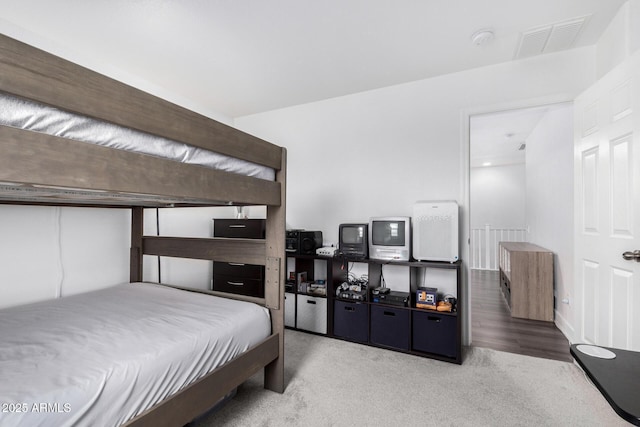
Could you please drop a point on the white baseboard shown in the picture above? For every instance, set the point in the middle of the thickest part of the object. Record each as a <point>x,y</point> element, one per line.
<point>565,327</point>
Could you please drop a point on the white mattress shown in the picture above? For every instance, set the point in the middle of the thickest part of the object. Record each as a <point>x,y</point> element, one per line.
<point>23,114</point>
<point>103,357</point>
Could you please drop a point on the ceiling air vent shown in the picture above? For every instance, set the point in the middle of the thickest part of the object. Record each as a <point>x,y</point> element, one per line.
<point>550,38</point>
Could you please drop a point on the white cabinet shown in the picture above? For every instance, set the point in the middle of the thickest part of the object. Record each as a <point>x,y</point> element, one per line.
<point>290,309</point>
<point>312,313</point>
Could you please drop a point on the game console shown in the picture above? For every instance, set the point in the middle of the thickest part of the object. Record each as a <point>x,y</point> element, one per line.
<point>397,298</point>
<point>353,291</point>
<point>329,251</point>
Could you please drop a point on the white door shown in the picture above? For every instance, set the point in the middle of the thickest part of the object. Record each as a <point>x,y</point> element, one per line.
<point>607,209</point>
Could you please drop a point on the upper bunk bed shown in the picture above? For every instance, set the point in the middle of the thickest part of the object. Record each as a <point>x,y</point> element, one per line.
<point>66,138</point>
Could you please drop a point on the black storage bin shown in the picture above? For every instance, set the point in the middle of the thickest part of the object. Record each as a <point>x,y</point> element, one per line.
<point>239,228</point>
<point>434,332</point>
<point>390,326</point>
<point>247,271</point>
<point>238,285</point>
<point>351,321</point>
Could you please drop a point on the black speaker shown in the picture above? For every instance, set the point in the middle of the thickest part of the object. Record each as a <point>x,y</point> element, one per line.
<point>309,241</point>
<point>303,242</point>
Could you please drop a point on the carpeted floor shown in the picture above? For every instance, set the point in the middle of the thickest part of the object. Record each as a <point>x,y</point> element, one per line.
<point>337,383</point>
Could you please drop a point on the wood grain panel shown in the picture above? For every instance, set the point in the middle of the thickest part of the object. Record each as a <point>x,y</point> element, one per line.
<point>246,251</point>
<point>274,283</point>
<point>531,280</point>
<point>137,230</point>
<point>31,157</point>
<point>37,75</point>
<point>204,393</point>
<point>239,297</point>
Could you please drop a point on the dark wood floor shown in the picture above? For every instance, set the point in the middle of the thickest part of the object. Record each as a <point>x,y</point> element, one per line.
<point>493,327</point>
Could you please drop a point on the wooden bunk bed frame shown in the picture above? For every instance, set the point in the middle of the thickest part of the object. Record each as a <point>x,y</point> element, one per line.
<point>36,159</point>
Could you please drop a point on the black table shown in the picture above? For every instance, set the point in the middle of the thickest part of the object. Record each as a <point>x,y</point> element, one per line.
<point>617,379</point>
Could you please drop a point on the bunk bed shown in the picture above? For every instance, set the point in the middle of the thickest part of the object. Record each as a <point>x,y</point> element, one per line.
<point>44,163</point>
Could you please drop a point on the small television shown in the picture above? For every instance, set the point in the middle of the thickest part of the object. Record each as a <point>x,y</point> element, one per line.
<point>390,238</point>
<point>353,240</point>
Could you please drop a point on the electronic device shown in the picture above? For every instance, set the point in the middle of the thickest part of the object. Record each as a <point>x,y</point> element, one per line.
<point>397,298</point>
<point>353,290</point>
<point>291,241</point>
<point>390,238</point>
<point>380,290</point>
<point>289,285</point>
<point>303,242</point>
<point>326,251</point>
<point>427,298</point>
<point>435,231</point>
<point>354,240</point>
<point>352,295</point>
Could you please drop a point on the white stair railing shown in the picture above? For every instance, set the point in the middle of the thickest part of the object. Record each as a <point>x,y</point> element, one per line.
<point>485,243</point>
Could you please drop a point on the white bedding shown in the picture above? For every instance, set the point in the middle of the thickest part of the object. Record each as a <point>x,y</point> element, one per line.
<point>103,357</point>
<point>23,114</point>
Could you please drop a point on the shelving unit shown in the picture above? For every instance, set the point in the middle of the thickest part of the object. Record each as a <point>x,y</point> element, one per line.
<point>421,332</point>
<point>311,311</point>
<point>526,280</point>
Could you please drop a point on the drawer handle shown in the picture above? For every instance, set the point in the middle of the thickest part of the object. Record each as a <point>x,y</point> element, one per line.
<point>235,283</point>
<point>238,226</point>
<point>310,301</point>
<point>236,264</point>
<point>389,313</point>
<point>350,308</point>
<point>434,318</point>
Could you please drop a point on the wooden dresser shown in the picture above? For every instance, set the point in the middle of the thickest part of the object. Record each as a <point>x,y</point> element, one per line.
<point>526,280</point>
<point>243,279</point>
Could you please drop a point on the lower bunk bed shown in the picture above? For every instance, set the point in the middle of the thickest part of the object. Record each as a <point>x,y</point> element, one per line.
<point>110,356</point>
<point>89,159</point>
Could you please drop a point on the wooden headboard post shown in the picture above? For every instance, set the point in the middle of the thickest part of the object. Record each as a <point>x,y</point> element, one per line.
<point>137,226</point>
<point>274,283</point>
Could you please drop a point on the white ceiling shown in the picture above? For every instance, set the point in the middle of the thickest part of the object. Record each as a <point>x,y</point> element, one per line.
<point>239,57</point>
<point>499,139</point>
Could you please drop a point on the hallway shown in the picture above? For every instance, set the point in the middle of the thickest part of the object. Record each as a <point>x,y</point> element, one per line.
<point>493,327</point>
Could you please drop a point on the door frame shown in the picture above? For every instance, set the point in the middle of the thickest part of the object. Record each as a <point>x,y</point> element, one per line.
<point>465,196</point>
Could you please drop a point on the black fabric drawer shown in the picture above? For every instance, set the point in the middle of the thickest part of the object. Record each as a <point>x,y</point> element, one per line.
<point>239,228</point>
<point>243,271</point>
<point>238,285</point>
<point>434,333</point>
<point>390,326</point>
<point>351,320</point>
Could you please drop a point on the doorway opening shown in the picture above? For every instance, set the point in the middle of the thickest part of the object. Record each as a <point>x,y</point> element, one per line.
<point>520,190</point>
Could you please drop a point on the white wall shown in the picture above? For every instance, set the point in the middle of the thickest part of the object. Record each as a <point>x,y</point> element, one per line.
<point>620,39</point>
<point>92,60</point>
<point>549,199</point>
<point>376,153</point>
<point>47,252</point>
<point>498,196</point>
